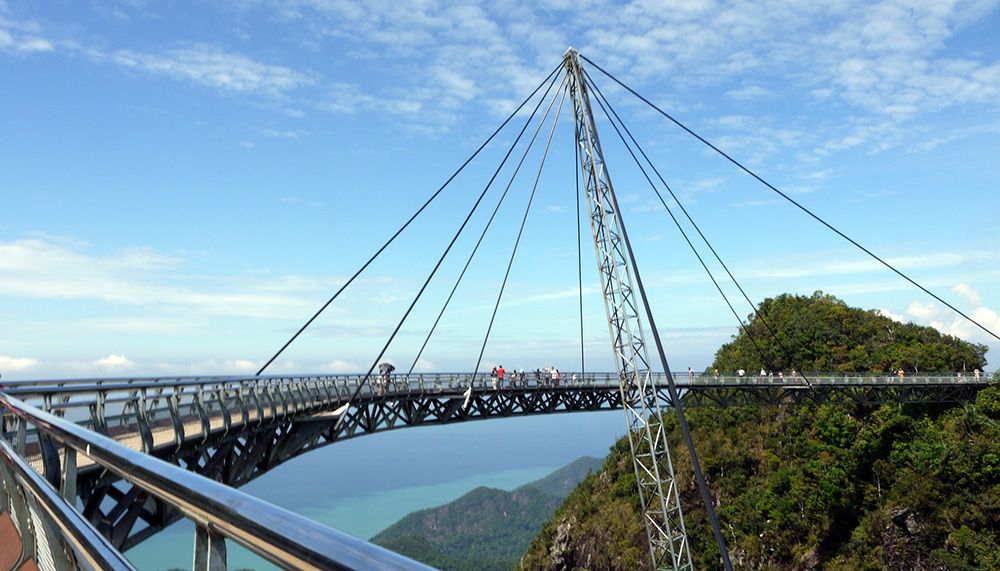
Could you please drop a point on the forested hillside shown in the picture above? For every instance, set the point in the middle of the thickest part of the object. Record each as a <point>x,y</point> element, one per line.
<point>486,529</point>
<point>822,333</point>
<point>832,487</point>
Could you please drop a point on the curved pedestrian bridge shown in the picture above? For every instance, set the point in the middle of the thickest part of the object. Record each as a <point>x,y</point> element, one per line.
<point>228,430</point>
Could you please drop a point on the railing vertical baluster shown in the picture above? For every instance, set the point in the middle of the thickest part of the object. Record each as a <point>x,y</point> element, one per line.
<point>199,406</point>
<point>174,404</point>
<point>224,408</point>
<point>68,487</point>
<point>142,421</point>
<point>50,459</point>
<point>255,399</point>
<point>209,550</point>
<point>244,413</point>
<point>19,512</point>
<point>100,411</point>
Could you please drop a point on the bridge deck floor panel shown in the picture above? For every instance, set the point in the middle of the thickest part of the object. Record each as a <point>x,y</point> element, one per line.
<point>10,546</point>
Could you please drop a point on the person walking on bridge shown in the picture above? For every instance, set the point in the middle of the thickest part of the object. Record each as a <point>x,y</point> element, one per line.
<point>500,375</point>
<point>384,373</point>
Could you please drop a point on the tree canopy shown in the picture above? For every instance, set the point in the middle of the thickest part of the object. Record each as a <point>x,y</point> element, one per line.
<point>822,333</point>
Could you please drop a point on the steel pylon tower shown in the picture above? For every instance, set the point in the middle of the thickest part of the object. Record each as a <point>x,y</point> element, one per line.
<point>658,497</point>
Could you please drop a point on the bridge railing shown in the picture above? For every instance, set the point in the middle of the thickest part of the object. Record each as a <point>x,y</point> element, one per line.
<point>218,511</point>
<point>150,413</point>
<point>43,527</point>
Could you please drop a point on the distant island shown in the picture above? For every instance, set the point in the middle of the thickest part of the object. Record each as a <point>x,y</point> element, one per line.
<point>486,529</point>
<point>839,487</point>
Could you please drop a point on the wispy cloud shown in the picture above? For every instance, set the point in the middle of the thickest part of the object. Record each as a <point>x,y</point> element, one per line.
<point>22,36</point>
<point>345,97</point>
<point>113,363</point>
<point>44,269</point>
<point>213,67</point>
<point>947,321</point>
<point>16,364</point>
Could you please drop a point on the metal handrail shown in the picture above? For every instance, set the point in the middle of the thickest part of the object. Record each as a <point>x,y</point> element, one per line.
<point>85,541</point>
<point>278,535</point>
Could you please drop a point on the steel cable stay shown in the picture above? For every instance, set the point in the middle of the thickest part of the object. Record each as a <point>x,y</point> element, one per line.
<point>481,237</point>
<point>794,202</point>
<point>444,255</point>
<point>410,220</point>
<point>679,227</point>
<point>579,244</point>
<point>697,228</point>
<point>520,231</point>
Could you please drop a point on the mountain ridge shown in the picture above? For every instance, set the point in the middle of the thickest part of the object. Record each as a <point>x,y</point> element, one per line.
<point>486,528</point>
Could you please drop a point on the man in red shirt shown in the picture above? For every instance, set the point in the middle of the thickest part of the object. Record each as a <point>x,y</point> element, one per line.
<point>500,373</point>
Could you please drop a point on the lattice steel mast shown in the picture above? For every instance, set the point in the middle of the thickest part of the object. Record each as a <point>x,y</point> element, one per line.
<point>658,497</point>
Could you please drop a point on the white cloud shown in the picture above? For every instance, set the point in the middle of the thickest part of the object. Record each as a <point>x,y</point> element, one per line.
<point>213,67</point>
<point>341,366</point>
<point>749,92</point>
<point>242,366</point>
<point>15,364</point>
<point>968,293</point>
<point>893,316</point>
<point>424,366</point>
<point>883,60</point>
<point>113,363</point>
<point>345,97</point>
<point>548,296</point>
<point>922,311</point>
<point>947,321</point>
<point>796,269</point>
<point>43,268</point>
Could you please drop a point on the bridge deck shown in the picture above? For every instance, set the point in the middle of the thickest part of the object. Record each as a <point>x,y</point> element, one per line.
<point>11,547</point>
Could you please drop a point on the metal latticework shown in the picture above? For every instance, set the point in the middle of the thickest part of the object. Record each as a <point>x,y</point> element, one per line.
<point>659,501</point>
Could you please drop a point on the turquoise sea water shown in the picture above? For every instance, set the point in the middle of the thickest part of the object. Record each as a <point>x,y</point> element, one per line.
<point>363,485</point>
<point>362,516</point>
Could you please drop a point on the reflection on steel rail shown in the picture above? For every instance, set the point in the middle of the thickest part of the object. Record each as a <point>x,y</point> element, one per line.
<point>219,511</point>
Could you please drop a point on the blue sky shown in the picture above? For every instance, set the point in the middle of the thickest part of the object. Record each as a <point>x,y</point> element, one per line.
<point>183,183</point>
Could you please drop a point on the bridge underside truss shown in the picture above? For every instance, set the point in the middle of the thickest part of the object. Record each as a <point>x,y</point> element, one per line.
<point>127,516</point>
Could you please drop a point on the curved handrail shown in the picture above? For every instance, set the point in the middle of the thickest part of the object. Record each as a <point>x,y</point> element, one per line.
<point>82,537</point>
<point>278,535</point>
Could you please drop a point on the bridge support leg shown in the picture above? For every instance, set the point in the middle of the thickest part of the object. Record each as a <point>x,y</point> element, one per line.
<point>209,550</point>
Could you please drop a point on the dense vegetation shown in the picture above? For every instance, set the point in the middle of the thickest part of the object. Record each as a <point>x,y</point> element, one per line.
<point>832,486</point>
<point>822,333</point>
<point>486,529</point>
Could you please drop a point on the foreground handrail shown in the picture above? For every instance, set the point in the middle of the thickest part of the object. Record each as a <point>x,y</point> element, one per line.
<point>86,542</point>
<point>278,535</point>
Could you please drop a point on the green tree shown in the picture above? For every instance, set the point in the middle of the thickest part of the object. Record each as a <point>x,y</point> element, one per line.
<point>822,333</point>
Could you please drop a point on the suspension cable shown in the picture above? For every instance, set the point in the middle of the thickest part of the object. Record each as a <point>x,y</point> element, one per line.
<point>482,236</point>
<point>704,238</point>
<point>407,223</point>
<point>677,223</point>
<point>520,230</point>
<point>791,200</point>
<point>579,242</point>
<point>430,276</point>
